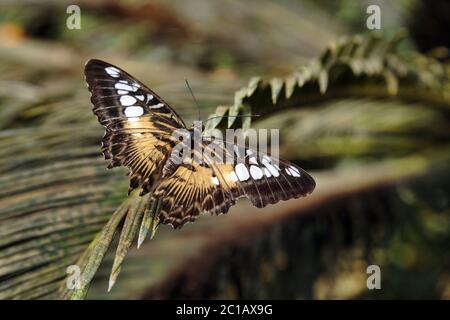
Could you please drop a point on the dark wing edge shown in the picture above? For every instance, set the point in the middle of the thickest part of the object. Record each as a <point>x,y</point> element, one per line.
<point>138,123</point>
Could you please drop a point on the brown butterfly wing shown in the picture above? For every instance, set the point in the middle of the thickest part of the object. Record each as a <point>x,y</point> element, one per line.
<point>213,187</point>
<point>139,124</point>
<point>191,190</point>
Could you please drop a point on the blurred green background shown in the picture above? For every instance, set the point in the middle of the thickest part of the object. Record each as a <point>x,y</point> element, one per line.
<point>368,116</point>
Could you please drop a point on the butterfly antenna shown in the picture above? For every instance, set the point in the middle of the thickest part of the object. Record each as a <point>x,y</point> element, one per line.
<point>193,97</point>
<point>237,116</point>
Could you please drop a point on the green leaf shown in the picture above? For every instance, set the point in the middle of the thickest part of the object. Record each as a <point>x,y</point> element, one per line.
<point>93,256</point>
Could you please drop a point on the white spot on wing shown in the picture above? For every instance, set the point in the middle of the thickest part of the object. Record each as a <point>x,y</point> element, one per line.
<point>149,97</point>
<point>253,160</point>
<point>134,111</point>
<point>140,97</point>
<point>288,171</point>
<point>122,92</point>
<point>272,169</point>
<point>267,173</point>
<point>256,172</point>
<point>123,86</point>
<point>294,168</point>
<point>215,180</point>
<point>113,72</point>
<point>294,171</point>
<point>241,172</point>
<point>157,106</point>
<point>127,100</point>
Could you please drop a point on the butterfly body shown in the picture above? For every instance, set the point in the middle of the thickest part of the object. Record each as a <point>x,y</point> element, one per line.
<point>186,173</point>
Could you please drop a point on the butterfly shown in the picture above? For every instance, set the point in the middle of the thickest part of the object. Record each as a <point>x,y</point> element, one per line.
<point>139,135</point>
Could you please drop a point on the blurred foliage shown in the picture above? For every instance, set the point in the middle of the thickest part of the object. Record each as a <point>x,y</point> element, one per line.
<point>369,114</point>
<point>427,25</point>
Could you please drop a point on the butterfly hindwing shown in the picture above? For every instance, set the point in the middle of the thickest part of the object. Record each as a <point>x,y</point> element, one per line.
<point>213,187</point>
<point>191,190</point>
<point>139,124</point>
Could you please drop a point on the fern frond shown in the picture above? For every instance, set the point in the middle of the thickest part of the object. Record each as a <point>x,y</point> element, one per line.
<point>351,67</point>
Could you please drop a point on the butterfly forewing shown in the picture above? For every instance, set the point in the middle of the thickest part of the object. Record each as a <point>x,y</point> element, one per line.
<point>139,124</point>
<point>267,180</point>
